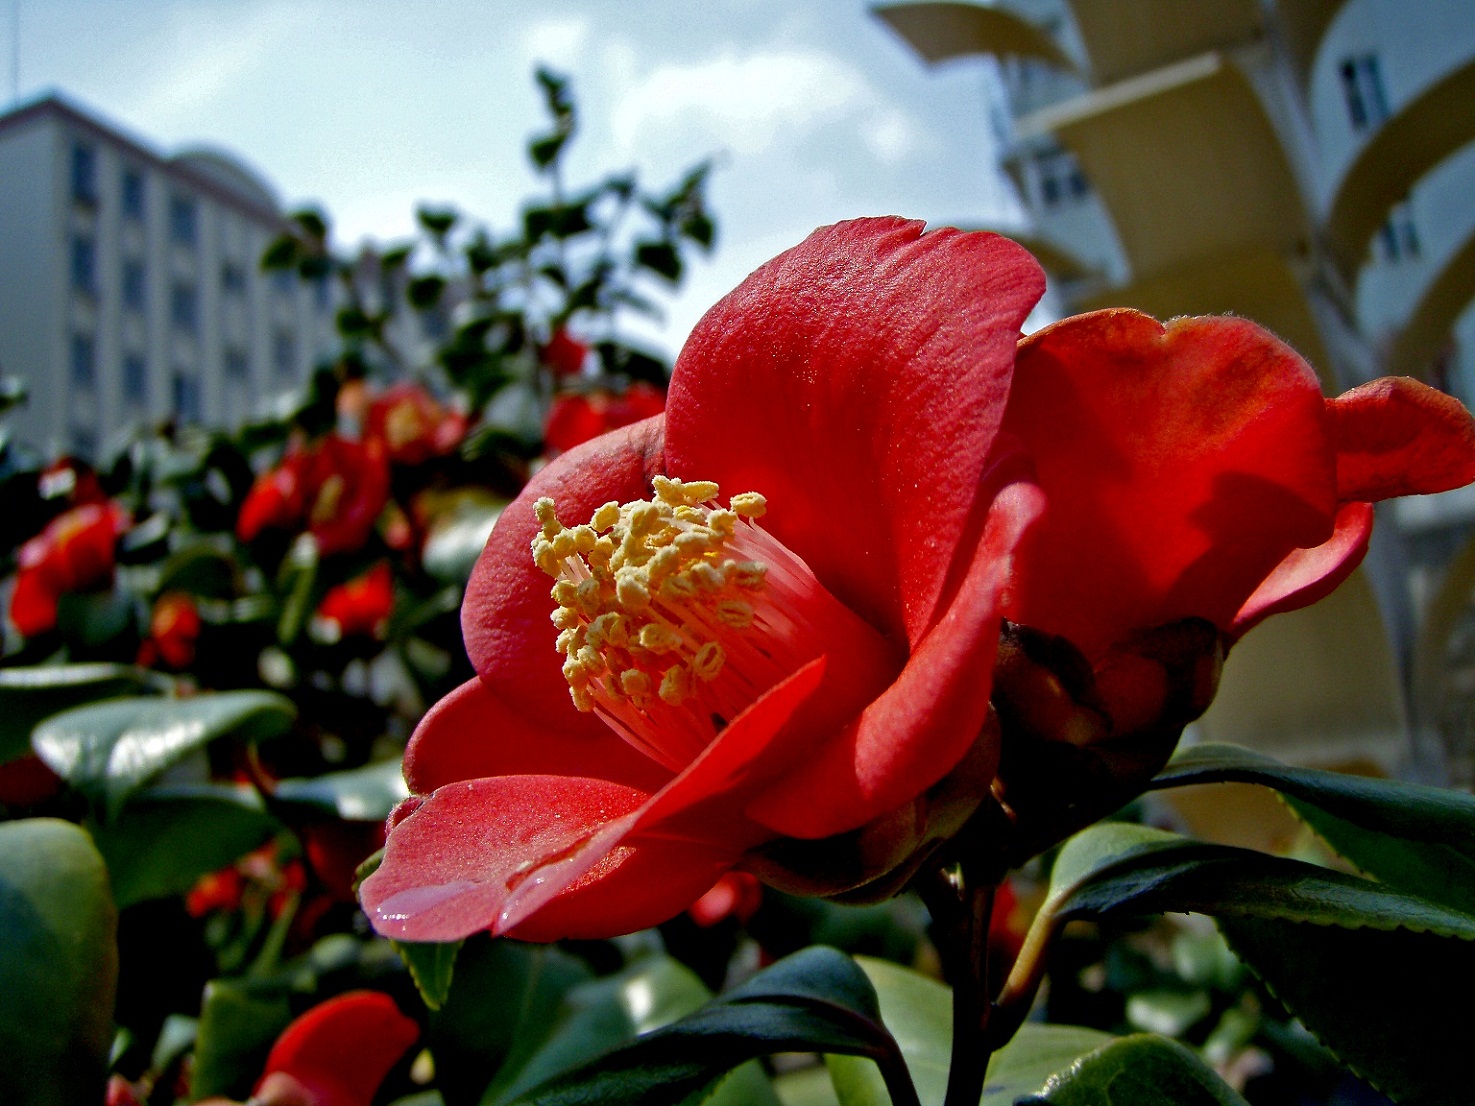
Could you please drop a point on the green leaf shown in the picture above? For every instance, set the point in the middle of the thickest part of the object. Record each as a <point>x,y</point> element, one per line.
<point>1120,870</point>
<point>661,258</point>
<point>815,1000</point>
<point>166,838</point>
<point>1391,1005</point>
<point>502,1003</point>
<point>93,619</point>
<point>919,1012</point>
<point>1416,838</point>
<point>107,750</point>
<point>58,965</point>
<point>200,569</point>
<point>437,221</point>
<point>364,794</point>
<point>29,695</point>
<point>237,1028</point>
<point>281,253</point>
<point>1036,1053</point>
<point>432,966</point>
<point>424,292</point>
<point>1140,1070</point>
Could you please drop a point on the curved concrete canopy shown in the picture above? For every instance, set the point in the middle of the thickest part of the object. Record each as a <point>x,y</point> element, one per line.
<point>1428,129</point>
<point>943,31</point>
<point>1187,163</point>
<point>1304,23</point>
<point>1429,324</point>
<point>1257,285</point>
<point>1127,37</point>
<point>1318,687</point>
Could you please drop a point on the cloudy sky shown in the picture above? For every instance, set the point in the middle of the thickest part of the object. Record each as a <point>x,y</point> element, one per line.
<point>814,111</point>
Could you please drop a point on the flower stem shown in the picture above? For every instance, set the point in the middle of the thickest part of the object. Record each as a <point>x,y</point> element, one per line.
<point>961,906</point>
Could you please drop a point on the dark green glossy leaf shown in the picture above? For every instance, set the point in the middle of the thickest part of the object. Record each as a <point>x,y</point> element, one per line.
<point>503,1001</point>
<point>425,292</point>
<point>437,221</point>
<point>1140,1070</point>
<point>30,694</point>
<point>1120,870</point>
<point>1391,1005</point>
<point>661,258</point>
<point>815,1000</point>
<point>200,569</point>
<point>107,750</point>
<point>1416,838</point>
<point>364,794</point>
<point>918,1010</point>
<point>166,838</point>
<point>297,579</point>
<point>237,1028</point>
<point>93,619</point>
<point>58,965</point>
<point>432,966</point>
<point>281,253</point>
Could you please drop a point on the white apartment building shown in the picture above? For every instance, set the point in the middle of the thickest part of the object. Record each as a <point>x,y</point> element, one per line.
<point>1309,164</point>
<point>130,283</point>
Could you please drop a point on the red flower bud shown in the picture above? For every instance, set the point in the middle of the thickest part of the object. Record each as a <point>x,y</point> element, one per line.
<point>575,419</point>
<point>73,553</point>
<point>359,608</point>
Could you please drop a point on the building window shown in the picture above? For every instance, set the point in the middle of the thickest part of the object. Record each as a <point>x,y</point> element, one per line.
<point>135,380</point>
<point>83,361</point>
<point>233,278</point>
<point>84,442</point>
<point>186,396</point>
<point>284,353</point>
<point>322,294</point>
<point>237,363</point>
<point>184,310</point>
<point>284,281</point>
<point>133,199</point>
<point>84,265</point>
<point>182,220</point>
<point>1398,237</point>
<point>84,174</point>
<point>1060,179</point>
<point>1362,87</point>
<point>135,284</point>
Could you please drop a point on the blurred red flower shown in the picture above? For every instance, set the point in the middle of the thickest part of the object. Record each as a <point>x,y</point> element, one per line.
<point>564,354</point>
<point>334,488</point>
<point>734,895</point>
<point>576,418</point>
<point>73,553</point>
<point>359,608</point>
<point>174,628</point>
<point>413,425</point>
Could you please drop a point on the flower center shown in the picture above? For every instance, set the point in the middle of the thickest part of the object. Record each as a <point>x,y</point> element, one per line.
<point>675,614</point>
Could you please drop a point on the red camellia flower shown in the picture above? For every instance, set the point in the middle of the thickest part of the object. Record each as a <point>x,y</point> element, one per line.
<point>338,1052</point>
<point>575,419</point>
<point>564,354</point>
<point>745,692</point>
<point>73,553</point>
<point>413,426</point>
<point>334,488</point>
<point>173,630</point>
<point>360,607</point>
<point>808,677</point>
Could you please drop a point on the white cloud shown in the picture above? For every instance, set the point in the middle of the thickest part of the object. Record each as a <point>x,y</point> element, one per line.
<point>745,103</point>
<point>558,42</point>
<point>211,53</point>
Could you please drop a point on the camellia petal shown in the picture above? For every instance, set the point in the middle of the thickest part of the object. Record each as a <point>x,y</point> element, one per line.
<point>472,733</point>
<point>1307,575</point>
<point>1182,462</point>
<point>857,382</point>
<point>1395,436</point>
<point>921,726</point>
<point>341,1050</point>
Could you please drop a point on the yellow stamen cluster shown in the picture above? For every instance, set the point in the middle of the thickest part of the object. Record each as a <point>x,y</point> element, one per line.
<point>646,593</point>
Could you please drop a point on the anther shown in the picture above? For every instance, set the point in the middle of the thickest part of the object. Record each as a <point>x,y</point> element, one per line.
<point>749,504</point>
